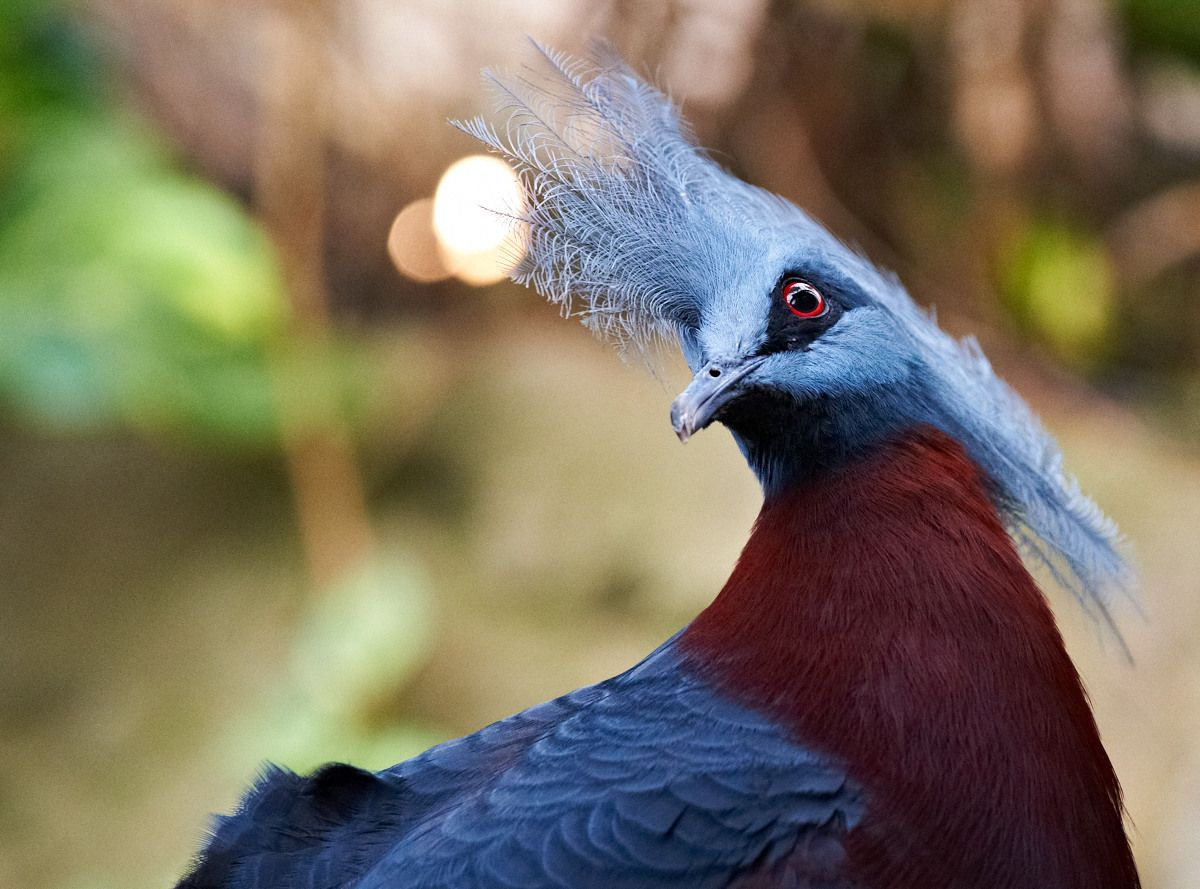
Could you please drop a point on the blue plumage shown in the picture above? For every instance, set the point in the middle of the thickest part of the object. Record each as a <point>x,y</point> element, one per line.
<point>658,777</point>
<point>649,779</point>
<point>635,228</point>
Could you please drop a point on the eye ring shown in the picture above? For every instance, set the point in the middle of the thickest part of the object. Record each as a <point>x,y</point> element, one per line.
<point>804,300</point>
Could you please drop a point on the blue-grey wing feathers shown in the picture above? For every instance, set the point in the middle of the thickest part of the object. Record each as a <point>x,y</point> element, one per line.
<point>648,780</point>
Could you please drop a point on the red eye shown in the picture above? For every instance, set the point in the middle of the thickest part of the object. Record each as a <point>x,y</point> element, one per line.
<point>803,299</point>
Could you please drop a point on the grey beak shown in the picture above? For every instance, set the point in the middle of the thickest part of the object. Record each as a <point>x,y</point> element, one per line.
<point>713,387</point>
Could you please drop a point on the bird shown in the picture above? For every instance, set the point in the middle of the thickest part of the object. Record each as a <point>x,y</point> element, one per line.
<point>878,697</point>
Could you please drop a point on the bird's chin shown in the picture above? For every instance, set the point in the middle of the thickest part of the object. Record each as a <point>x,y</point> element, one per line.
<point>759,416</point>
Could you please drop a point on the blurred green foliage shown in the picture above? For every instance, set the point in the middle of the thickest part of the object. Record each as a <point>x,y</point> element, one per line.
<point>354,647</point>
<point>130,291</point>
<point>1058,284</point>
<point>136,296</point>
<point>1171,25</point>
<point>364,637</point>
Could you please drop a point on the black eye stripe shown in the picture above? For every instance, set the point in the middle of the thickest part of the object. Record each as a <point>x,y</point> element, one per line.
<point>789,330</point>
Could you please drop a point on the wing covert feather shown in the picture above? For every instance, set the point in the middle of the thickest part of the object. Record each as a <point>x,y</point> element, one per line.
<point>650,779</point>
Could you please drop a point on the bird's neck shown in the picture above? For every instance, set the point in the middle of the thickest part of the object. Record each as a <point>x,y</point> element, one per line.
<point>881,611</point>
<point>790,445</point>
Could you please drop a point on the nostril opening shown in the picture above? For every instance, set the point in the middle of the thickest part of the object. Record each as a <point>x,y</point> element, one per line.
<point>714,371</point>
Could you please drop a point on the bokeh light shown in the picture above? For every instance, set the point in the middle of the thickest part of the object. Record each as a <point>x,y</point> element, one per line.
<point>474,208</point>
<point>412,245</point>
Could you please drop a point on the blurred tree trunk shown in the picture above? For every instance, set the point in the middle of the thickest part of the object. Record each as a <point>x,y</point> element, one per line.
<point>290,165</point>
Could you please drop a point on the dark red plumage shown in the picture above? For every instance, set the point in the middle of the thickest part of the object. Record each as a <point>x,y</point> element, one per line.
<point>883,614</point>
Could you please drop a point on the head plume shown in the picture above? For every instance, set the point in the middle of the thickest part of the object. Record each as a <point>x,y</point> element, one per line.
<point>623,206</point>
<point>634,227</point>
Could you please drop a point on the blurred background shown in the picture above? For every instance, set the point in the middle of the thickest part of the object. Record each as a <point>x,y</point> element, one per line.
<point>288,475</point>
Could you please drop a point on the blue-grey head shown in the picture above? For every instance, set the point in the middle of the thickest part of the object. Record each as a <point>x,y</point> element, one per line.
<point>801,346</point>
